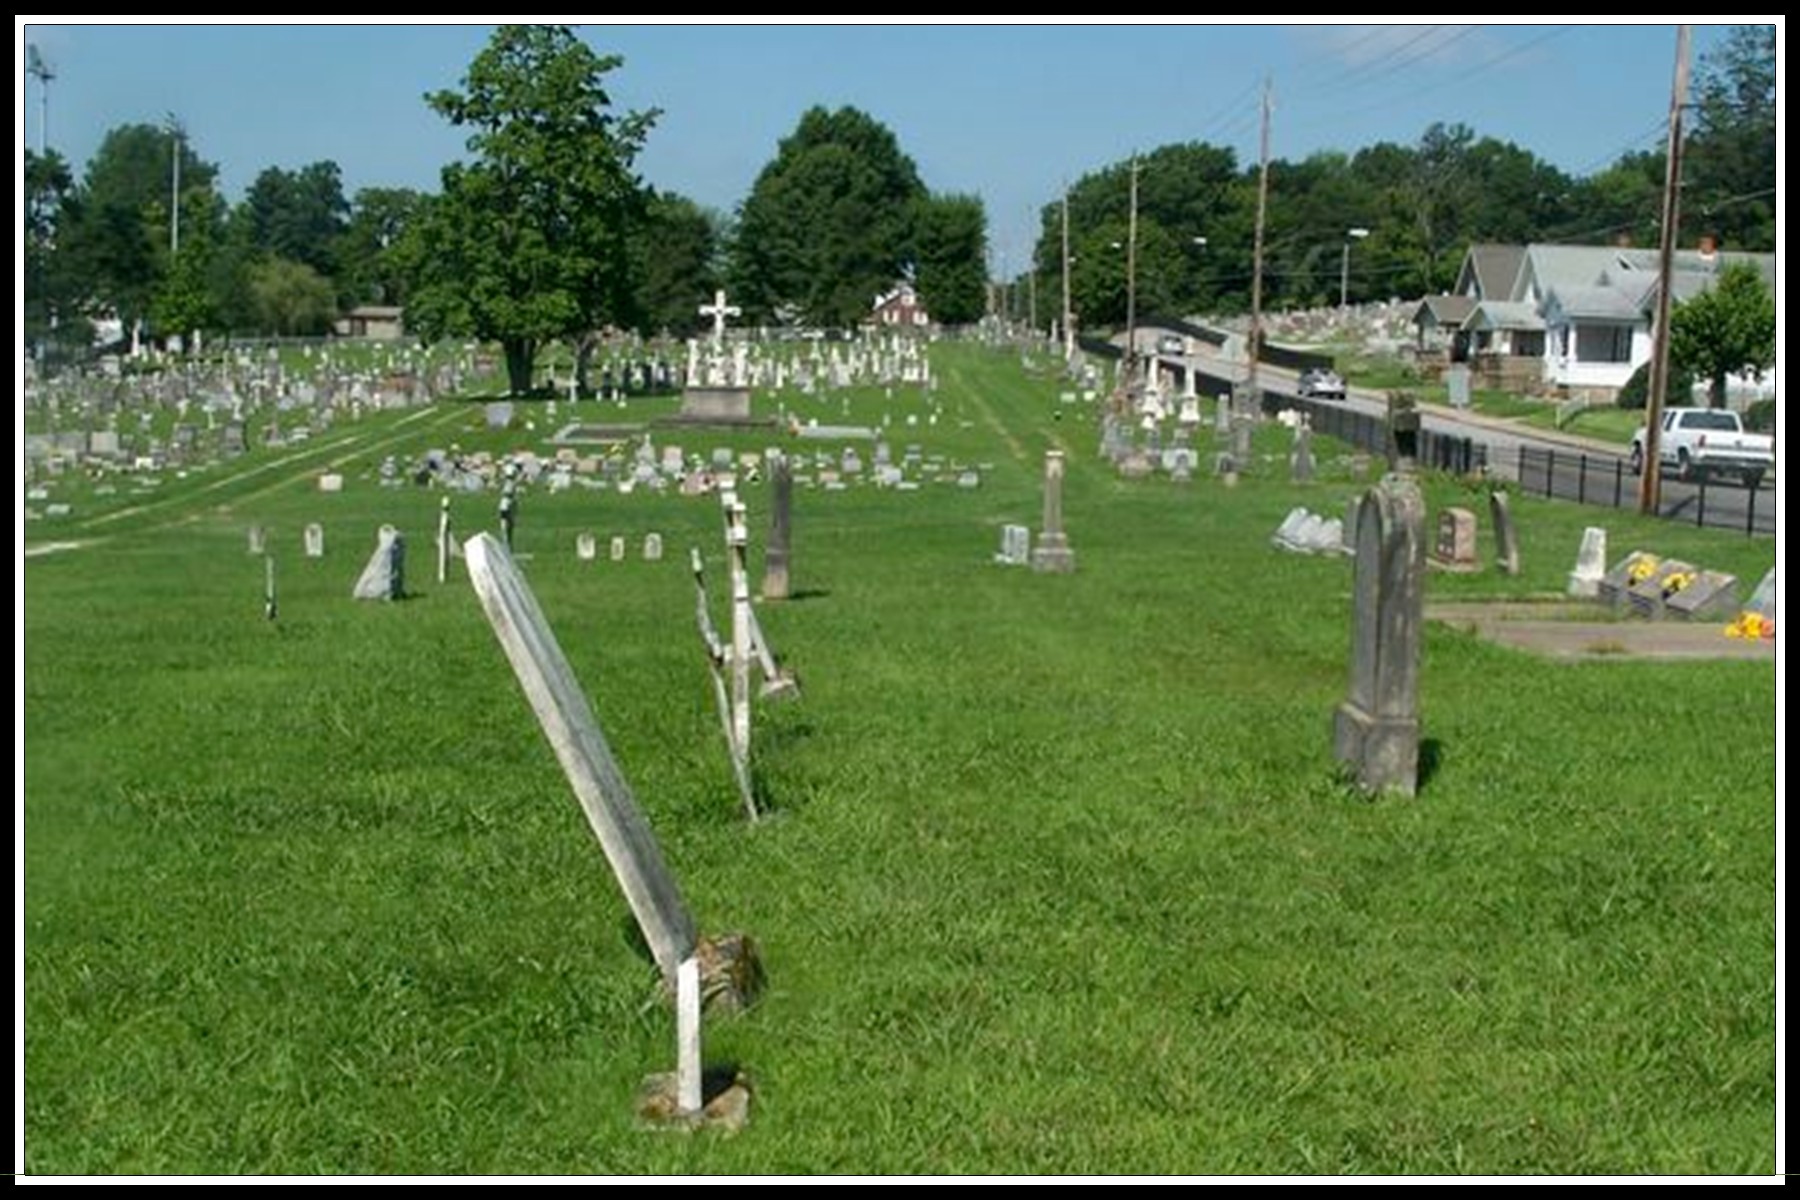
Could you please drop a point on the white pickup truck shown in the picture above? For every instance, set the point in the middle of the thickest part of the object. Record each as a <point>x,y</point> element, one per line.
<point>1708,441</point>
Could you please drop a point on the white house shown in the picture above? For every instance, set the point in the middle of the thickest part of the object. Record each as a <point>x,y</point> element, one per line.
<point>1578,318</point>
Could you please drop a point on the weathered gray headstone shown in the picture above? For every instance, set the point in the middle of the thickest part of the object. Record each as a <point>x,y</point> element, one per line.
<point>1403,426</point>
<point>258,539</point>
<point>1300,461</point>
<point>1377,726</point>
<point>776,557</point>
<point>1052,553</point>
<point>1506,534</point>
<point>384,577</point>
<point>653,547</point>
<point>1590,564</point>
<point>499,414</point>
<point>315,540</point>
<point>1455,549</point>
<point>1707,596</point>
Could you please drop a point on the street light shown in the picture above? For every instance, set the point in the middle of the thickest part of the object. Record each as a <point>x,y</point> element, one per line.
<point>1200,243</point>
<point>172,125</point>
<point>1356,235</point>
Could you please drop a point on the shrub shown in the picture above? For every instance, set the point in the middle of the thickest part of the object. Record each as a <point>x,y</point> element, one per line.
<point>1760,416</point>
<point>1636,392</point>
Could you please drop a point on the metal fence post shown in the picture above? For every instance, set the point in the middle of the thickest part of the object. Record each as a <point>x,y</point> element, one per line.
<point>1550,473</point>
<point>1581,480</point>
<point>1700,508</point>
<point>1618,481</point>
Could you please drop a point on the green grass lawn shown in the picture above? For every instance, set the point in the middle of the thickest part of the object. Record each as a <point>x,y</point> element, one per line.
<point>1058,876</point>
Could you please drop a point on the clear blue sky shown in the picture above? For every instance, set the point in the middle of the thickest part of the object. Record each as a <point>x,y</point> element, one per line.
<point>1008,112</point>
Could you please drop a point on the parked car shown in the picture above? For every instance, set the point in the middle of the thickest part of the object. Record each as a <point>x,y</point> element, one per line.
<point>1708,441</point>
<point>1321,384</point>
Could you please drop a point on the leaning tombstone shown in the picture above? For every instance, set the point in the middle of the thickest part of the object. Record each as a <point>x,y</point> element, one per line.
<point>1506,534</point>
<point>384,578</point>
<point>718,660</point>
<point>1377,727</point>
<point>725,970</point>
<point>1762,601</point>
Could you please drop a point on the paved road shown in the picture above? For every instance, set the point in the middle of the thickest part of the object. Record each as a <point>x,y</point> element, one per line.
<point>1539,461</point>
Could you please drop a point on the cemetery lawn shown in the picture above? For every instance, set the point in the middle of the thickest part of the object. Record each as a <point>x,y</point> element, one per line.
<point>1058,875</point>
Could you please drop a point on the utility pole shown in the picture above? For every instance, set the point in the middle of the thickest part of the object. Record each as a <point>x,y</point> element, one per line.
<point>1068,320</point>
<point>1650,483</point>
<point>1131,281</point>
<point>38,69</point>
<point>173,125</point>
<point>1262,208</point>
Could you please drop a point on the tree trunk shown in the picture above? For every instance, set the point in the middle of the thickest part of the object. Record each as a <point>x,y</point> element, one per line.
<point>1717,390</point>
<point>520,354</point>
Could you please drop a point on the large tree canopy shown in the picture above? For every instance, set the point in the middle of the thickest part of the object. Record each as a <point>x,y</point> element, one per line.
<point>1727,330</point>
<point>828,224</point>
<point>530,241</point>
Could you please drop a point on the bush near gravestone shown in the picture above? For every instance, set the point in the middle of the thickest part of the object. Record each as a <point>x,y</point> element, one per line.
<point>1636,392</point>
<point>1760,417</point>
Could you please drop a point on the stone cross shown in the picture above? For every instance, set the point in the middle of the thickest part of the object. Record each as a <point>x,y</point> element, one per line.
<point>718,310</point>
<point>1053,553</point>
<point>775,558</point>
<point>1376,732</point>
<point>716,656</point>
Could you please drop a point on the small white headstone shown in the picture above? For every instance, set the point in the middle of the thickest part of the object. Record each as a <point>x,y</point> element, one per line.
<point>315,540</point>
<point>616,550</point>
<point>1590,563</point>
<point>653,547</point>
<point>585,547</point>
<point>331,482</point>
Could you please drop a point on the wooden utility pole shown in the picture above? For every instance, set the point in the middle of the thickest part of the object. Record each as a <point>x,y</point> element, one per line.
<point>1262,208</point>
<point>1131,281</point>
<point>1068,317</point>
<point>1650,483</point>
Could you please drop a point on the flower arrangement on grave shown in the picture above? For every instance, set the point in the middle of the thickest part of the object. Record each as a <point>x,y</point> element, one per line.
<point>1752,626</point>
<point>1643,568</point>
<point>1676,581</point>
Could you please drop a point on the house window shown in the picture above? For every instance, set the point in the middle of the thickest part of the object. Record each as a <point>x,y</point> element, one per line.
<point>1603,343</point>
<point>1528,343</point>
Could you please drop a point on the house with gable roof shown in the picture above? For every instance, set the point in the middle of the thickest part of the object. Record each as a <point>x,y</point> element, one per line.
<point>1571,319</point>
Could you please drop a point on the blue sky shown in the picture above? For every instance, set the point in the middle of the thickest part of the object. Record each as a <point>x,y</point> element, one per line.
<point>1008,112</point>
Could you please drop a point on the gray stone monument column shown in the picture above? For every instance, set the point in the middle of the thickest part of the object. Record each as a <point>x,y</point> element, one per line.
<point>1403,427</point>
<point>775,558</point>
<point>1052,552</point>
<point>1376,732</point>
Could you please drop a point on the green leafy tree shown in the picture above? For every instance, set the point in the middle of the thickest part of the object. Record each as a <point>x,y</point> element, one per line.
<point>52,300</point>
<point>299,215</point>
<point>1729,174</point>
<point>950,257</point>
<point>828,223</point>
<point>119,245</point>
<point>291,298</point>
<point>370,269</point>
<point>678,262</point>
<point>1729,330</point>
<point>531,241</point>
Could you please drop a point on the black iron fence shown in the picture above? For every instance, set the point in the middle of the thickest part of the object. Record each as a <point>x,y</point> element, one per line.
<point>1606,479</point>
<point>1436,451</point>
